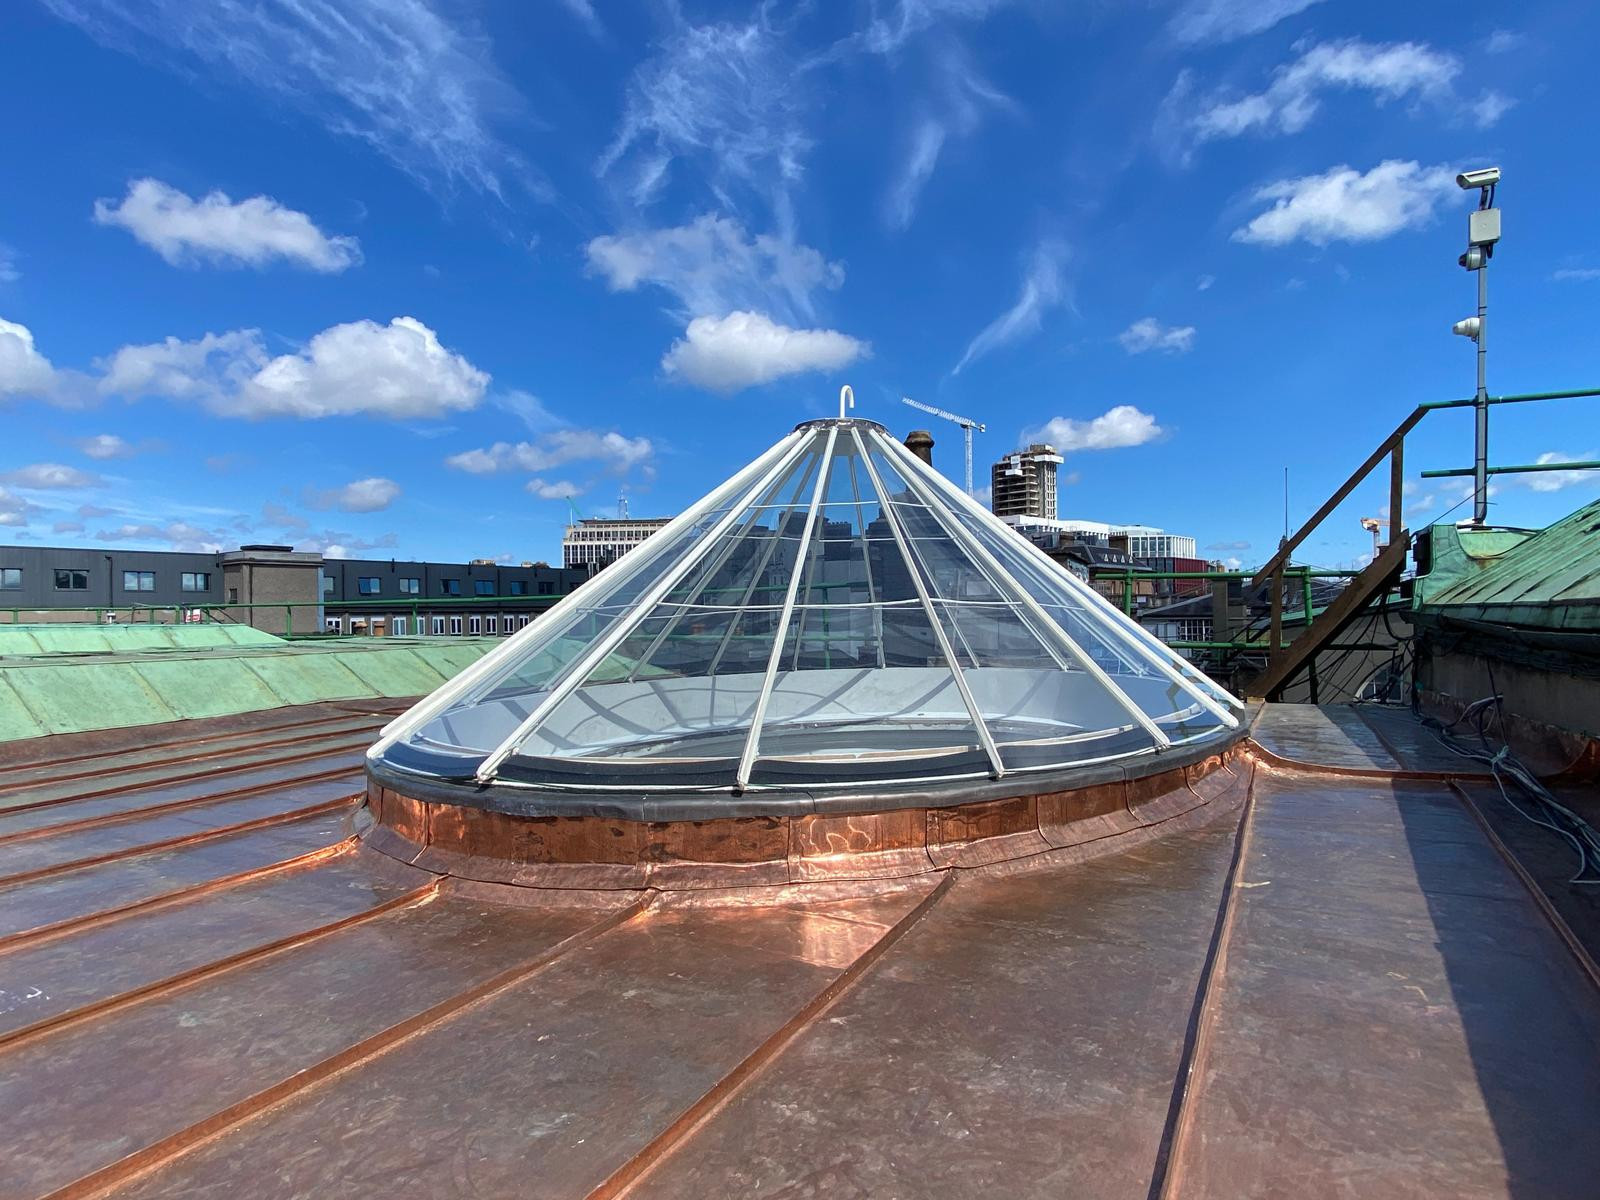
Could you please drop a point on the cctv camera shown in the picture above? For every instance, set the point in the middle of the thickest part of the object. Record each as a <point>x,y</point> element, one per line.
<point>1469,328</point>
<point>1483,177</point>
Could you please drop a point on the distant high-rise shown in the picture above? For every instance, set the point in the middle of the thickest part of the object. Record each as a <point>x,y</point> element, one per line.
<point>1025,483</point>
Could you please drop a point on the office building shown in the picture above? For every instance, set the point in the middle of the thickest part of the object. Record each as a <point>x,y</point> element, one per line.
<point>595,542</point>
<point>1024,484</point>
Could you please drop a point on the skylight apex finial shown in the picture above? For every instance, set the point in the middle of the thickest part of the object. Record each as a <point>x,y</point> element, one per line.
<point>846,397</point>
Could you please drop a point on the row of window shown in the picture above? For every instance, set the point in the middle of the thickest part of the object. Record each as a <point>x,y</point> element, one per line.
<point>372,585</point>
<point>69,579</point>
<point>398,626</point>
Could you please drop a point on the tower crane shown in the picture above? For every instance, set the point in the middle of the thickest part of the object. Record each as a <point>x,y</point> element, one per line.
<point>967,426</point>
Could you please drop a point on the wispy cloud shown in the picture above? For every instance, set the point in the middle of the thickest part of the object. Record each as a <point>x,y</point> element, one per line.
<point>1149,334</point>
<point>396,74</point>
<point>1345,205</point>
<point>611,450</point>
<point>723,97</point>
<point>216,229</point>
<point>584,11</point>
<point>1043,288</point>
<point>1555,481</point>
<point>1574,274</point>
<point>1198,21</point>
<point>713,266</point>
<point>9,271</point>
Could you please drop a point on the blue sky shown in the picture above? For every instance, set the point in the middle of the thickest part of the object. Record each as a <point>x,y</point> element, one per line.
<point>401,278</point>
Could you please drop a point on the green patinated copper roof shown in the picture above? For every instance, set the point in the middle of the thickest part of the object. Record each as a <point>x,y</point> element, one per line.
<point>1547,580</point>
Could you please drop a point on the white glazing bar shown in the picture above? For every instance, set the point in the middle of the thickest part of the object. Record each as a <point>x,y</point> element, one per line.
<point>752,740</point>
<point>997,576</point>
<point>623,626</point>
<point>1158,655</point>
<point>709,571</point>
<point>866,558</point>
<point>945,648</point>
<point>631,564</point>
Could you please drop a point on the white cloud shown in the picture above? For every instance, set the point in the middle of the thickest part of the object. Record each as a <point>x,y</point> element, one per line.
<point>584,11</point>
<point>713,266</point>
<point>1342,204</point>
<point>1491,106</point>
<point>1389,71</point>
<point>395,74</point>
<point>215,229</point>
<point>175,535</point>
<point>1198,21</point>
<point>1503,41</point>
<point>15,512</point>
<point>9,271</point>
<point>613,451</point>
<point>66,527</point>
<point>331,543</point>
<point>724,95</point>
<point>1555,481</point>
<point>1150,334</point>
<point>23,370</point>
<point>1042,289</point>
<point>1576,273</point>
<point>557,489</point>
<point>361,496</point>
<point>890,31</point>
<point>398,370</point>
<point>106,445</point>
<point>1114,429</point>
<point>49,475</point>
<point>743,349</point>
<point>1204,283</point>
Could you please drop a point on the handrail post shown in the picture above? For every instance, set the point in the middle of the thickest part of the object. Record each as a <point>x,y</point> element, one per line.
<point>1397,482</point>
<point>1275,627</point>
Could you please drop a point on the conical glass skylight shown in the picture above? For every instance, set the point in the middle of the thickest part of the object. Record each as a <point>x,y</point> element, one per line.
<point>836,614</point>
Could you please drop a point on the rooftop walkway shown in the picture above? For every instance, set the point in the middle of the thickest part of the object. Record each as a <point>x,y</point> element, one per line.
<point>1338,987</point>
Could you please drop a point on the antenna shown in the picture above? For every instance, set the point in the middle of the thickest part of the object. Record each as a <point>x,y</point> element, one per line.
<point>967,426</point>
<point>846,397</point>
<point>1285,505</point>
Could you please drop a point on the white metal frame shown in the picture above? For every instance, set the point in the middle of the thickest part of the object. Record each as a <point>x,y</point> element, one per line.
<point>1177,669</point>
<point>997,577</point>
<point>623,626</point>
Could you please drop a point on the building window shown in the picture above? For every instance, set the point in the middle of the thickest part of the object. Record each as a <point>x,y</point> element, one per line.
<point>438,624</point>
<point>399,624</point>
<point>522,622</point>
<point>519,587</point>
<point>491,625</point>
<point>10,579</point>
<point>368,585</point>
<point>233,595</point>
<point>450,587</point>
<point>327,585</point>
<point>411,587</point>
<point>455,625</point>
<point>475,625</point>
<point>71,581</point>
<point>547,587</point>
<point>333,624</point>
<point>138,581</point>
<point>195,581</point>
<point>483,587</point>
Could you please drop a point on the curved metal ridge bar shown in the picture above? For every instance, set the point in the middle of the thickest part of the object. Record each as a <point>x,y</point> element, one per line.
<point>189,839</point>
<point>1174,666</point>
<point>324,752</point>
<point>182,979</point>
<point>752,739</point>
<point>633,564</point>
<point>625,1178</point>
<point>598,650</point>
<point>998,575</point>
<point>1178,1128</point>
<point>46,769</point>
<point>967,698</point>
<point>158,1154</point>
<point>46,933</point>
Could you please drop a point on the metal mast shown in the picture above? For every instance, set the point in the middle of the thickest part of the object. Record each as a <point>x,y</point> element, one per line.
<point>967,426</point>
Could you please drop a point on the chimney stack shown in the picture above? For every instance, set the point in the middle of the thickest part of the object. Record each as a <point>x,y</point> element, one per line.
<point>920,443</point>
